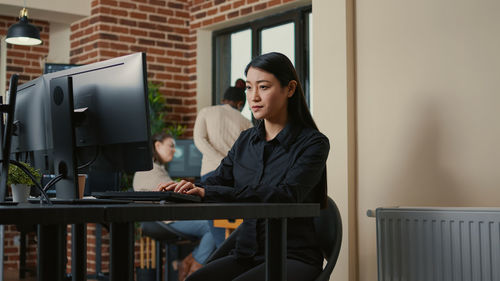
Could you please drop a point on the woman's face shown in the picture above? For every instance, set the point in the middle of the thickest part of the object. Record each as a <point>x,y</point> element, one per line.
<point>265,95</point>
<point>165,149</point>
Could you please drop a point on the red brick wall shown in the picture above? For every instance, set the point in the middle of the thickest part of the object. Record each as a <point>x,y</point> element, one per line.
<point>91,249</point>
<point>11,248</point>
<point>208,12</point>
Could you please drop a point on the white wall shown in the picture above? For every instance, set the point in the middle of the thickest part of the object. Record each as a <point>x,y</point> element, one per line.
<point>428,90</point>
<point>333,104</point>
<point>203,69</point>
<point>3,67</point>
<point>61,11</point>
<point>59,43</point>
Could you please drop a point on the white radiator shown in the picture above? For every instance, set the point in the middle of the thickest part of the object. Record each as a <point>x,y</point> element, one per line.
<point>438,244</point>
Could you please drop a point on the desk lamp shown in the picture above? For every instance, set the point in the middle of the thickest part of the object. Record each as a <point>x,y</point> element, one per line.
<point>23,33</point>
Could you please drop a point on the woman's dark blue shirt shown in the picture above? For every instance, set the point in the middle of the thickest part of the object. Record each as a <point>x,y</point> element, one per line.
<point>287,169</point>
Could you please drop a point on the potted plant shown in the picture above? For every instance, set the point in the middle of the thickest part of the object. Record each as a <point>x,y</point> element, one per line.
<point>20,182</point>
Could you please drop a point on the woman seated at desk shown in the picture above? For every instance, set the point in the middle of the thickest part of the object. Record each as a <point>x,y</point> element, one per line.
<point>281,160</point>
<point>163,152</point>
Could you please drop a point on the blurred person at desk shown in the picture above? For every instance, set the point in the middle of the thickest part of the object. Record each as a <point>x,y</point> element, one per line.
<point>281,160</point>
<point>163,152</point>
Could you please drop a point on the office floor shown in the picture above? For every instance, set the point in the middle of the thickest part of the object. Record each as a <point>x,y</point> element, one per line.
<point>13,275</point>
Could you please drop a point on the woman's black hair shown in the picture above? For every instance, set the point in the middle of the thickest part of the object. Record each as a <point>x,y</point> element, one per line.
<point>282,68</point>
<point>158,137</point>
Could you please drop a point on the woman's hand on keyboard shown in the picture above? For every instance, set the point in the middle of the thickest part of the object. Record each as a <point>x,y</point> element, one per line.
<point>183,186</point>
<point>166,186</point>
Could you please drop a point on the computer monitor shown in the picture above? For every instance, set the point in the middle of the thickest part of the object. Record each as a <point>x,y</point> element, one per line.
<point>186,161</point>
<point>96,113</point>
<point>31,141</point>
<point>55,67</point>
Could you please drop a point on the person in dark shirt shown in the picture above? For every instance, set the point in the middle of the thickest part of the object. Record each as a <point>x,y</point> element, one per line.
<point>280,160</point>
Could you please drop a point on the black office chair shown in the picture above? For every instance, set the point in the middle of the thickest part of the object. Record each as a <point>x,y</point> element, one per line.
<point>328,232</point>
<point>166,236</point>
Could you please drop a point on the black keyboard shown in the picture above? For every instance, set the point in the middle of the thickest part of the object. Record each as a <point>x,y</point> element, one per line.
<point>147,196</point>
<point>85,201</point>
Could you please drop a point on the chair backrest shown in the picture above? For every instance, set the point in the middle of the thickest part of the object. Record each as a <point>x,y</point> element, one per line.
<point>328,228</point>
<point>329,234</point>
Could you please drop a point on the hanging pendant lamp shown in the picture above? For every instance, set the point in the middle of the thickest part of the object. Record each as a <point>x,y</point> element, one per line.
<point>23,33</point>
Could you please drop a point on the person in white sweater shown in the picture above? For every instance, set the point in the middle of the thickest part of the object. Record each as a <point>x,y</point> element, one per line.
<point>217,127</point>
<point>163,152</point>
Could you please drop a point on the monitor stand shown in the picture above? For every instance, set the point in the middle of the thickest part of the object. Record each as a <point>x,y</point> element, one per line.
<point>6,134</point>
<point>63,135</point>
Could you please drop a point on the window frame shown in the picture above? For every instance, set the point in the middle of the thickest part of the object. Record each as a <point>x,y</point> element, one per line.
<point>297,16</point>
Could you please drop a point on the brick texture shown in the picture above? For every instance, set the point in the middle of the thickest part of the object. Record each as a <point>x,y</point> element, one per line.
<point>11,248</point>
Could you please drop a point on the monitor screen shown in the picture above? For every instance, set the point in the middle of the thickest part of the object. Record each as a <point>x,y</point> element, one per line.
<point>30,116</point>
<point>54,67</point>
<point>186,161</point>
<point>108,113</point>
<point>31,140</point>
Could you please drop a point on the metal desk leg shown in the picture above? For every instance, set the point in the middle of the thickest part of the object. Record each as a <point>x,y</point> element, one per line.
<point>22,254</point>
<point>276,249</point>
<point>2,238</point>
<point>51,253</point>
<point>121,266</point>
<point>79,252</point>
<point>158,260</point>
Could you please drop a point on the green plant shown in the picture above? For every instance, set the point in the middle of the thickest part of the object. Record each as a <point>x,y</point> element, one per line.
<point>176,130</point>
<point>17,176</point>
<point>157,106</point>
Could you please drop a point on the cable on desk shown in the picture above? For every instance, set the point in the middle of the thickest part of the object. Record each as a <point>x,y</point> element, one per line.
<point>52,182</point>
<point>91,161</point>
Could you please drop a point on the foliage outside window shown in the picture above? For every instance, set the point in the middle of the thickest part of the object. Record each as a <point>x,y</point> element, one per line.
<point>157,107</point>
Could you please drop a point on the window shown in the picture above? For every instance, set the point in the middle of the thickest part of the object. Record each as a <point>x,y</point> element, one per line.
<point>288,33</point>
<point>3,67</point>
<point>279,38</point>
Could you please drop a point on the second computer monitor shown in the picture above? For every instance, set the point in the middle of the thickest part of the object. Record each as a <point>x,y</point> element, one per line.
<point>187,160</point>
